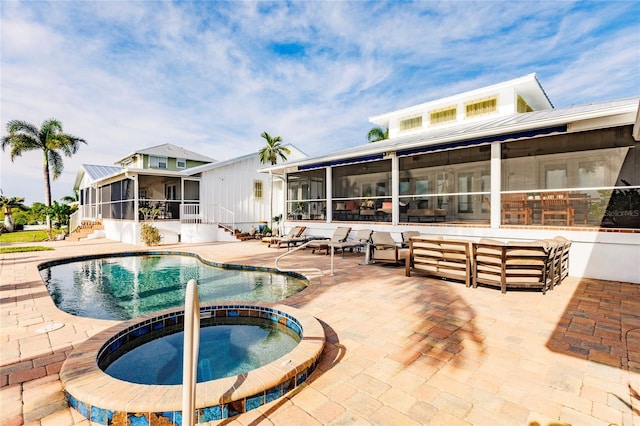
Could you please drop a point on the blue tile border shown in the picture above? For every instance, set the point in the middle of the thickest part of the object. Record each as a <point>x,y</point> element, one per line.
<point>133,330</point>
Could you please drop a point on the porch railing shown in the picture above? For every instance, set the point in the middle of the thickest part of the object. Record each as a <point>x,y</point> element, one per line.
<point>198,213</point>
<point>74,220</point>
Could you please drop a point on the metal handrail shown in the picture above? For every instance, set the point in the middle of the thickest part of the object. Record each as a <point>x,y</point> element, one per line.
<point>227,219</point>
<point>191,348</point>
<point>295,249</point>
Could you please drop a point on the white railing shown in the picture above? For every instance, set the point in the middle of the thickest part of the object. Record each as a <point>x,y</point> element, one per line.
<point>74,220</point>
<point>84,212</point>
<point>191,213</point>
<point>198,213</point>
<point>226,218</point>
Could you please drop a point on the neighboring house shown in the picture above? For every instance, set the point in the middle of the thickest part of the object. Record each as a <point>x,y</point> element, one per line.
<point>499,161</point>
<point>184,193</point>
<point>238,185</point>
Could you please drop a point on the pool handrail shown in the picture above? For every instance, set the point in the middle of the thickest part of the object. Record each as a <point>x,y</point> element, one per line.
<point>295,249</point>
<point>190,357</point>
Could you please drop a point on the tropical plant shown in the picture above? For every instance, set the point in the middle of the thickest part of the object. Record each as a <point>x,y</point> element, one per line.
<point>49,138</point>
<point>71,199</point>
<point>37,214</point>
<point>8,204</point>
<point>150,235</point>
<point>269,154</point>
<point>149,213</point>
<point>377,134</point>
<point>60,214</point>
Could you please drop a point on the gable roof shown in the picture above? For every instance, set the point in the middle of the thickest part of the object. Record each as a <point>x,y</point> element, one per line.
<point>296,153</point>
<point>95,172</point>
<point>512,127</point>
<point>169,150</point>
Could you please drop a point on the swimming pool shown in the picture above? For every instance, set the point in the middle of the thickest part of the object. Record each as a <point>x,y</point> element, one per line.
<point>127,285</point>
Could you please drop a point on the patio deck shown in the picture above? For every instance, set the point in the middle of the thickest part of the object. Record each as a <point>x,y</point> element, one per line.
<point>400,350</point>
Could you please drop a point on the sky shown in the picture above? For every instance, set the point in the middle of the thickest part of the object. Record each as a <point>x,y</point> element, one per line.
<point>211,76</point>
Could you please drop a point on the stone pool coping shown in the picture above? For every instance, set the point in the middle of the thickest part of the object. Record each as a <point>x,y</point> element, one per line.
<point>102,398</point>
<point>229,266</point>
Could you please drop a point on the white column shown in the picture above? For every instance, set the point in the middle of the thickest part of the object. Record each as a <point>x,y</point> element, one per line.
<point>395,189</point>
<point>329,192</point>
<point>136,198</point>
<point>496,184</point>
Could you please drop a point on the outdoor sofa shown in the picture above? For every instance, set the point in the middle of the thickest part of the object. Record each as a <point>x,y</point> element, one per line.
<point>440,257</point>
<point>540,264</point>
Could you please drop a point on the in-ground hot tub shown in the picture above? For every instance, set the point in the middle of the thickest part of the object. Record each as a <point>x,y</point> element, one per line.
<point>103,399</point>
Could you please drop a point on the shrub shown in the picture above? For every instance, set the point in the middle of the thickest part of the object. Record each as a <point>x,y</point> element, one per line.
<point>150,235</point>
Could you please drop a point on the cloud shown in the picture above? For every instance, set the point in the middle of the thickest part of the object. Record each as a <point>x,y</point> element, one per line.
<point>212,76</point>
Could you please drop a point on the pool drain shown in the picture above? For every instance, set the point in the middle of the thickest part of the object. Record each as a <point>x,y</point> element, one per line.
<point>50,327</point>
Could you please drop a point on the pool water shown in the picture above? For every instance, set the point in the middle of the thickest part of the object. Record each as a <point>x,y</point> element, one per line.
<point>125,287</point>
<point>227,348</point>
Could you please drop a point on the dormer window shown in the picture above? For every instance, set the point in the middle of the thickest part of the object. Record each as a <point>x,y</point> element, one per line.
<point>157,162</point>
<point>443,115</point>
<point>410,123</point>
<point>481,107</point>
<point>181,163</point>
<point>523,106</point>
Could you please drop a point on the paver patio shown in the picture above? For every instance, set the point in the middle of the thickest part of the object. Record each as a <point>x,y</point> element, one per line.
<point>400,350</point>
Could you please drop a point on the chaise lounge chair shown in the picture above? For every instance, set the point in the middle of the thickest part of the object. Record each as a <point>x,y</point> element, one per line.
<point>339,235</point>
<point>293,237</point>
<point>360,240</point>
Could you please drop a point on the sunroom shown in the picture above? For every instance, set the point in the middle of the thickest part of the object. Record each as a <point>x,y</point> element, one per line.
<point>573,171</point>
<point>584,179</point>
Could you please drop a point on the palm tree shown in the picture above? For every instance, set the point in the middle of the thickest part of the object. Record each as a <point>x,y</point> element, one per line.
<point>8,204</point>
<point>60,214</point>
<point>71,199</point>
<point>377,134</point>
<point>49,138</point>
<point>269,155</point>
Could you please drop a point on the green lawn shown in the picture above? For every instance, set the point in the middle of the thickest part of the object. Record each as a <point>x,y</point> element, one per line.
<point>23,249</point>
<point>25,236</point>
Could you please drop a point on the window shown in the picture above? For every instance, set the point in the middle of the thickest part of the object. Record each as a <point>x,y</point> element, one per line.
<point>484,106</point>
<point>306,195</point>
<point>591,173</point>
<point>257,189</point>
<point>181,163</point>
<point>157,162</point>
<point>523,106</point>
<point>191,190</point>
<point>465,201</point>
<point>588,166</point>
<point>411,123</point>
<point>171,192</point>
<point>556,177</point>
<point>450,180</point>
<point>443,115</point>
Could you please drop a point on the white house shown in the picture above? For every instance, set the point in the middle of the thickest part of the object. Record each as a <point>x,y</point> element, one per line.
<point>189,197</point>
<point>497,162</point>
